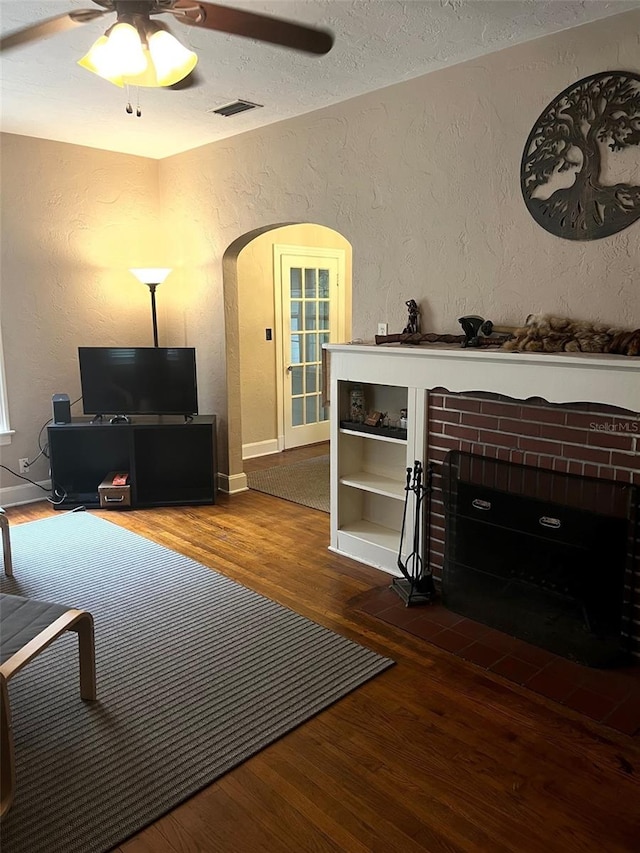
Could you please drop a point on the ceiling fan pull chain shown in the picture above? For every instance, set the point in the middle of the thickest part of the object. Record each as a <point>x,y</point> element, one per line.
<point>128,108</point>
<point>138,110</point>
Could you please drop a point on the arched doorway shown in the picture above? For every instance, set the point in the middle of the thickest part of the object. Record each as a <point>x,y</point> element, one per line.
<point>251,297</point>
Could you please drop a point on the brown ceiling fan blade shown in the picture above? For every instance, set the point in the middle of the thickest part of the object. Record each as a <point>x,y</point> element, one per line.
<point>49,27</point>
<point>265,28</point>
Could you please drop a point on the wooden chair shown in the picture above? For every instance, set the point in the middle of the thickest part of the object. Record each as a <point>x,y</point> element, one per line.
<point>28,627</point>
<point>6,544</point>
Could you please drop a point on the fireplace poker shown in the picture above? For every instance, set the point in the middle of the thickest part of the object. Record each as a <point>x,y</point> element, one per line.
<point>416,586</point>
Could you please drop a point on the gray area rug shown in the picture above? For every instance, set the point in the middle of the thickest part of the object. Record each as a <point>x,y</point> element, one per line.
<point>195,673</point>
<point>305,483</point>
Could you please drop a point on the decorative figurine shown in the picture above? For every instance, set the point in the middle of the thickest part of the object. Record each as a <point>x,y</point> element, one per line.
<point>413,323</point>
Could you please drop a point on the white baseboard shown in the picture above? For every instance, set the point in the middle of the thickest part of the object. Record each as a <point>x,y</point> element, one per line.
<point>25,493</point>
<point>28,493</point>
<point>232,484</point>
<point>260,448</point>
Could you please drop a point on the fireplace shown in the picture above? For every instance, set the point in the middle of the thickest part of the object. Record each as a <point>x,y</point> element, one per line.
<point>542,555</point>
<point>568,413</point>
<point>579,450</point>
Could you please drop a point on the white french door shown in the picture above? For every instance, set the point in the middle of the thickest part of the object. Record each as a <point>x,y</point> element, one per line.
<point>311,314</point>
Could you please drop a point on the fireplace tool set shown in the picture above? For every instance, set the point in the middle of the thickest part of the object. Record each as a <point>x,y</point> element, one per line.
<point>416,586</point>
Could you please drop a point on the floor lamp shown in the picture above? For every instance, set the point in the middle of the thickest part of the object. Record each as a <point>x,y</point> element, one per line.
<point>152,277</point>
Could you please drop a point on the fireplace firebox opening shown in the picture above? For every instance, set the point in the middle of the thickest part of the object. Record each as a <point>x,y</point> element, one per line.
<point>542,555</point>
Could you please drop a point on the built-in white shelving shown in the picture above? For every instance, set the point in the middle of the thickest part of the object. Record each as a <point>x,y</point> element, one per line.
<point>373,437</point>
<point>369,472</point>
<point>375,483</point>
<point>368,469</point>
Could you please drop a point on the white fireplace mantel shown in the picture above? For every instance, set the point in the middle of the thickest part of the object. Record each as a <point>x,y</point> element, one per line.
<point>556,377</point>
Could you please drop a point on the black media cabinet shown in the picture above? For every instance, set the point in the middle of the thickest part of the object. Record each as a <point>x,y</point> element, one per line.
<point>169,461</point>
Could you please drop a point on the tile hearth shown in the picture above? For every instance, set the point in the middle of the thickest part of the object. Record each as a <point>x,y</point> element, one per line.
<point>609,696</point>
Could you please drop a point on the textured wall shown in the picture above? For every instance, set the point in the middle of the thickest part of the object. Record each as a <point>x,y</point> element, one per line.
<point>423,180</point>
<point>74,220</point>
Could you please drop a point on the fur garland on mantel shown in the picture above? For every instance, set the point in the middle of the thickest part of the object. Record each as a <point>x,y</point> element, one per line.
<point>548,333</point>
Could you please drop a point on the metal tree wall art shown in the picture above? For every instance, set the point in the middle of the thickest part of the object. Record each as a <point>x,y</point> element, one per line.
<point>580,172</point>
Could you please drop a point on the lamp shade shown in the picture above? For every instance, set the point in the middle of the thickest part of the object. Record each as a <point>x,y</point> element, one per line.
<point>116,55</point>
<point>171,60</point>
<point>151,275</point>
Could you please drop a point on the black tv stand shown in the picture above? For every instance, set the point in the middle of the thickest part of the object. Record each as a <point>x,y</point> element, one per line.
<point>170,461</point>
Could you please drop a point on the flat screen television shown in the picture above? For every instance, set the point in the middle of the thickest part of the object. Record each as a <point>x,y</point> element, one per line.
<point>138,380</point>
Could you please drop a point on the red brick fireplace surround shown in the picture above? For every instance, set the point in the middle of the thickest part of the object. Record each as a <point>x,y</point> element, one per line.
<point>587,439</point>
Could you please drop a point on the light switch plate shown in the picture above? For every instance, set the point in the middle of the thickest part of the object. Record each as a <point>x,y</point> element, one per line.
<point>383,329</point>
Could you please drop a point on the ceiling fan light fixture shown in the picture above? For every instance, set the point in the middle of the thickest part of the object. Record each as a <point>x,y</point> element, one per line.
<point>171,60</point>
<point>140,53</point>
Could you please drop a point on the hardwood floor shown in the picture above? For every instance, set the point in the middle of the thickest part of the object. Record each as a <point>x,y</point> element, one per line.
<point>433,755</point>
<point>287,457</point>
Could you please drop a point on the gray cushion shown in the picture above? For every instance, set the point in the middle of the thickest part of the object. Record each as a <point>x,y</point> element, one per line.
<point>22,619</point>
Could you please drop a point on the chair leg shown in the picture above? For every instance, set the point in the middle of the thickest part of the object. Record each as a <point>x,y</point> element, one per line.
<point>6,544</point>
<point>7,758</point>
<point>86,650</point>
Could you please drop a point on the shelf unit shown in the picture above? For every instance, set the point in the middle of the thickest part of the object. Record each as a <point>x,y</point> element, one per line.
<point>170,462</point>
<point>369,468</point>
<point>363,514</point>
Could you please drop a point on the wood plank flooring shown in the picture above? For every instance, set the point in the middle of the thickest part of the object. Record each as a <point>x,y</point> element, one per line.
<point>433,755</point>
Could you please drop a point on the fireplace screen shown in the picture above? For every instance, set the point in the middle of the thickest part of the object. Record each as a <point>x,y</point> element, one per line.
<point>542,555</point>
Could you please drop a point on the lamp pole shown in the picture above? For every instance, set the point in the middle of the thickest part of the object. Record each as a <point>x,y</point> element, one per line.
<point>154,318</point>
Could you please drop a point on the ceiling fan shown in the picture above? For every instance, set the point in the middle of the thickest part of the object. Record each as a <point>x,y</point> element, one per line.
<point>139,51</point>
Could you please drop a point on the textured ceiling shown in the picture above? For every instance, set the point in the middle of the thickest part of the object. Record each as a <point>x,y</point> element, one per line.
<point>378,43</point>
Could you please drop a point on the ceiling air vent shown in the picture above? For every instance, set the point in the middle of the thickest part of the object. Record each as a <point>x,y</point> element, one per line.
<point>234,108</point>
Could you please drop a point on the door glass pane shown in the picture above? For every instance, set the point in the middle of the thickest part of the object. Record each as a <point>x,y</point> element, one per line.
<point>310,280</point>
<point>311,407</point>
<point>297,418</point>
<point>311,374</point>
<point>311,347</point>
<point>296,316</point>
<point>323,315</point>
<point>311,315</point>
<point>323,284</point>
<point>296,354</point>
<point>295,279</point>
<point>324,338</point>
<point>296,380</point>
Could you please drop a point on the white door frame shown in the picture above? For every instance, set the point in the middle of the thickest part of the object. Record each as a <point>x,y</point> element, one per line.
<point>336,335</point>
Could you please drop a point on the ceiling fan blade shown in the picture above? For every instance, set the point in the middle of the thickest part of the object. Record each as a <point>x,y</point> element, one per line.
<point>49,27</point>
<point>265,28</point>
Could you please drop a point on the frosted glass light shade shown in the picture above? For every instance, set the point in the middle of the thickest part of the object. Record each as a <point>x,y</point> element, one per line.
<point>117,55</point>
<point>172,61</point>
<point>151,275</point>
<point>96,60</point>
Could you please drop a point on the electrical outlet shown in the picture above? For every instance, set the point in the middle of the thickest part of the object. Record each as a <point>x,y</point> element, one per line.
<point>24,465</point>
<point>383,329</point>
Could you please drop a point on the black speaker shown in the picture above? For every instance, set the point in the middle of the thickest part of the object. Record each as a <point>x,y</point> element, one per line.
<point>61,409</point>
